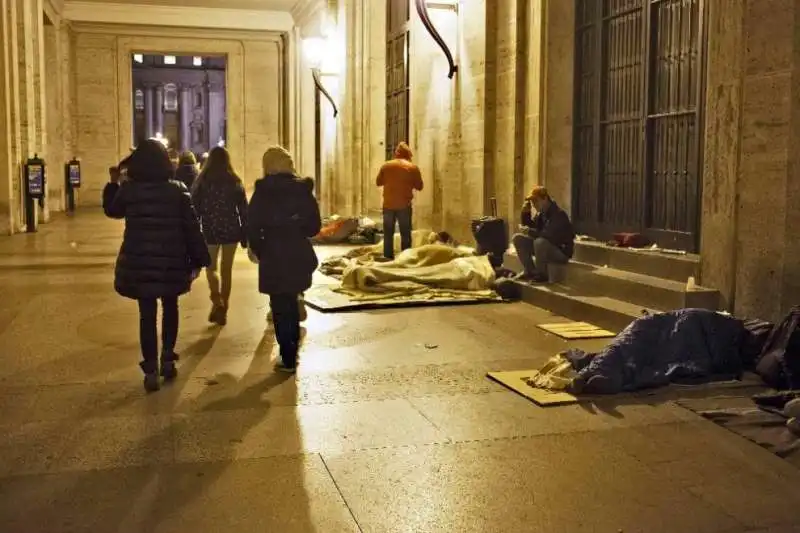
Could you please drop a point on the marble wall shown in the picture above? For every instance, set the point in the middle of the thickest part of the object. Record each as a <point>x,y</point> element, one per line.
<point>255,91</point>
<point>751,207</point>
<point>475,136</point>
<point>504,123</point>
<point>34,106</point>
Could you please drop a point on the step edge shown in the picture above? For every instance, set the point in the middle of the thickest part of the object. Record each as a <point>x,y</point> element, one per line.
<point>642,279</point>
<point>595,301</point>
<point>685,258</point>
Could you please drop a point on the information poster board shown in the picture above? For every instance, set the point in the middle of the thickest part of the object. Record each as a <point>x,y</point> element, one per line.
<point>75,175</point>
<point>36,180</point>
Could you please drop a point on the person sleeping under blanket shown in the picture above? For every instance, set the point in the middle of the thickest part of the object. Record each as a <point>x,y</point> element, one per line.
<point>429,268</point>
<point>654,350</point>
<point>374,252</point>
<point>335,266</point>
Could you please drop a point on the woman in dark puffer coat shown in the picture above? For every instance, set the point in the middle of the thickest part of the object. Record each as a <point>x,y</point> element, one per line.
<point>162,250</point>
<point>282,217</point>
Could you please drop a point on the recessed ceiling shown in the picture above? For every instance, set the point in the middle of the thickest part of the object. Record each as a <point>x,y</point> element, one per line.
<point>256,5</point>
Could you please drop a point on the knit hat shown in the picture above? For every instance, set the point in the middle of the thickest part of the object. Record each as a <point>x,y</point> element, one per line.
<point>277,160</point>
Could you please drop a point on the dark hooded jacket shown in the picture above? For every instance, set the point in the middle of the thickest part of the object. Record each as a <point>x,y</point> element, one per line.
<point>162,243</point>
<point>283,215</point>
<point>186,174</point>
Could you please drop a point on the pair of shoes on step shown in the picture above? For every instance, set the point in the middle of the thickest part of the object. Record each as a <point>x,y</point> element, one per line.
<point>531,278</point>
<point>167,371</point>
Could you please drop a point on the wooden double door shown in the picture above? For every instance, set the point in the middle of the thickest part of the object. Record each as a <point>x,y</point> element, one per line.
<point>638,119</point>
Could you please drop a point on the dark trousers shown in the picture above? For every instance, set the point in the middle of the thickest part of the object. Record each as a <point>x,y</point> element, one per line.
<point>401,217</point>
<point>536,253</point>
<point>148,331</point>
<point>286,319</point>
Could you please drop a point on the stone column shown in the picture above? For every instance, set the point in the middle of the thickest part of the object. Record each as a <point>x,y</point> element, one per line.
<point>207,142</point>
<point>27,84</point>
<point>54,114</point>
<point>149,111</point>
<point>751,204</point>
<point>40,107</point>
<point>9,129</point>
<point>159,110</point>
<point>216,112</point>
<point>185,109</point>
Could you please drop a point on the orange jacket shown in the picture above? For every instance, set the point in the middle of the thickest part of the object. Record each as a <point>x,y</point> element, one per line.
<point>399,178</point>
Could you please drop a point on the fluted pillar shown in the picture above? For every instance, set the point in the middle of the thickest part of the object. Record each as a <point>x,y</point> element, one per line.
<point>149,111</point>
<point>159,110</point>
<point>185,111</point>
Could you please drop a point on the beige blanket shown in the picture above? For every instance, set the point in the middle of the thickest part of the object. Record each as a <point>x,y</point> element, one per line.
<point>430,270</point>
<point>335,266</point>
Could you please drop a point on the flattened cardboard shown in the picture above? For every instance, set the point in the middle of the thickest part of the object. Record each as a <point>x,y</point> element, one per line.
<point>515,380</point>
<point>577,330</point>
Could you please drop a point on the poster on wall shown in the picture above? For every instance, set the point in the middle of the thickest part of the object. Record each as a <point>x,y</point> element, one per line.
<point>75,175</point>
<point>35,180</point>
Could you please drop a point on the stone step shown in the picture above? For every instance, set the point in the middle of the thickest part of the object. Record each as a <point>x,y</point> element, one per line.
<point>605,312</point>
<point>609,297</point>
<point>639,289</point>
<point>657,264</point>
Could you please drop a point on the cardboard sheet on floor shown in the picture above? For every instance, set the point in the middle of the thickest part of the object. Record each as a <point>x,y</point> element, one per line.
<point>515,380</point>
<point>325,299</point>
<point>765,427</point>
<point>577,330</point>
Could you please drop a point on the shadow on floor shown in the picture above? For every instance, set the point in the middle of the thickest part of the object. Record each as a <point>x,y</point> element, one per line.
<point>153,498</point>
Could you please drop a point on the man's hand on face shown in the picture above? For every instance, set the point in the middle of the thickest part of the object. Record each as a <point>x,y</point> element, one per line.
<point>527,207</point>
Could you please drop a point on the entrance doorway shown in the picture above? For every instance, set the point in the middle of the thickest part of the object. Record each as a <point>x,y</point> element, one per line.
<point>180,100</point>
<point>638,102</point>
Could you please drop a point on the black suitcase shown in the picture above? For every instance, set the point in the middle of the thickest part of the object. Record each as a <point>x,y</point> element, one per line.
<point>491,235</point>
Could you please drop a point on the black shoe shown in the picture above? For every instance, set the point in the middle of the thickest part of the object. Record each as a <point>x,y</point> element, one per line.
<point>151,382</point>
<point>168,370</point>
<point>218,315</point>
<point>280,366</point>
<point>539,278</point>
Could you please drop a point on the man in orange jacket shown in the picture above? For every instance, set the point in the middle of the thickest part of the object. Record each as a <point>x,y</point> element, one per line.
<point>399,177</point>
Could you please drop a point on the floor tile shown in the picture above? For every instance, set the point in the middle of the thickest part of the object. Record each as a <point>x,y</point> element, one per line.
<point>540,484</point>
<point>287,494</point>
<point>267,431</point>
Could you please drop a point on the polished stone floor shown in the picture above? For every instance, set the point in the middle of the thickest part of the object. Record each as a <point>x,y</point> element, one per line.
<point>389,426</point>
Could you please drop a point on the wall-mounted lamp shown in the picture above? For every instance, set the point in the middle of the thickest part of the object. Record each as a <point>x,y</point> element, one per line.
<point>318,54</point>
<point>422,10</point>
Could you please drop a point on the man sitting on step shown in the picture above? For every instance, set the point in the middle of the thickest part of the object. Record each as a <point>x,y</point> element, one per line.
<point>544,239</point>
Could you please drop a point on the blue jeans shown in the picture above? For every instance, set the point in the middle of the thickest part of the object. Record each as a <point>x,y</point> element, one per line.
<point>536,253</point>
<point>401,217</point>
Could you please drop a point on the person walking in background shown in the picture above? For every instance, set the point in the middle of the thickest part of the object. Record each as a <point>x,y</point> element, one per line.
<point>221,203</point>
<point>282,217</point>
<point>187,169</point>
<point>399,178</point>
<point>161,254</point>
